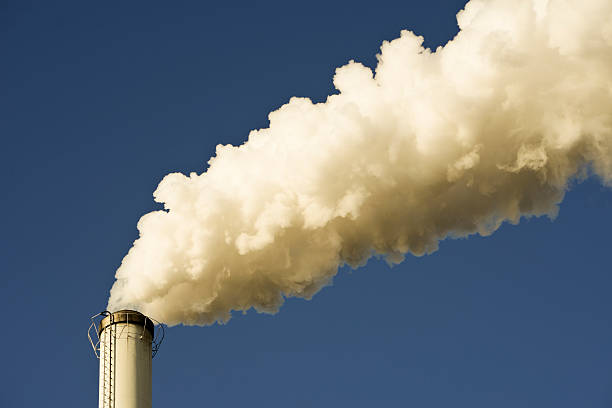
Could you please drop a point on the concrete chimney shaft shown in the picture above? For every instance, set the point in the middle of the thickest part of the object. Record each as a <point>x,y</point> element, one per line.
<point>126,340</point>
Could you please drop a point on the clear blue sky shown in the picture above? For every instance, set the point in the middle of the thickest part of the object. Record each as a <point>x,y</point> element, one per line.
<point>99,100</point>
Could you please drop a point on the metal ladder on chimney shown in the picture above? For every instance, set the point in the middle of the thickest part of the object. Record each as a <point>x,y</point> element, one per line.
<point>108,380</point>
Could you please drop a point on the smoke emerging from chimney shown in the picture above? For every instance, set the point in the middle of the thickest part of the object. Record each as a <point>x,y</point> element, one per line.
<point>490,128</point>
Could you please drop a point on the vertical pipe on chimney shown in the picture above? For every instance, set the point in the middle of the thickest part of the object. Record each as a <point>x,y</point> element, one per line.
<point>126,340</point>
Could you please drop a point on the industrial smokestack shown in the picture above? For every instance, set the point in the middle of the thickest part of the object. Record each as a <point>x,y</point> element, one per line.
<point>126,345</point>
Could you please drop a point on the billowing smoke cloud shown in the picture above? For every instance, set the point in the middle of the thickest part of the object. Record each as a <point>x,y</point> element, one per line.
<point>433,144</point>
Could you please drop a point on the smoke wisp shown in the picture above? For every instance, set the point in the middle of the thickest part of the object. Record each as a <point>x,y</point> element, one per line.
<point>490,128</point>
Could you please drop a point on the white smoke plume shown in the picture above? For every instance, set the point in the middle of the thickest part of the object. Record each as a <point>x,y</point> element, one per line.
<point>490,128</point>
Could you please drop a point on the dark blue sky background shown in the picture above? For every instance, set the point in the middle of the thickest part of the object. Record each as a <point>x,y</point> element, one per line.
<point>99,100</point>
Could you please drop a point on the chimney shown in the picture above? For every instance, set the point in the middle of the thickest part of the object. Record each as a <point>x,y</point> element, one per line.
<point>126,344</point>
